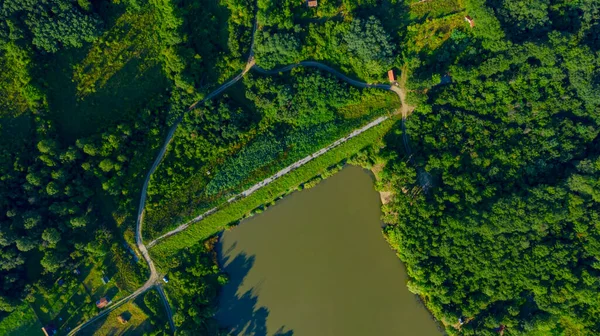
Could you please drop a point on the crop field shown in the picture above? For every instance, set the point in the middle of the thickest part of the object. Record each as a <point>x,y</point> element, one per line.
<point>431,34</point>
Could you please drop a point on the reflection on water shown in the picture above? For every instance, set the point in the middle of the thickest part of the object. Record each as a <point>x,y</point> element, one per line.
<point>317,264</point>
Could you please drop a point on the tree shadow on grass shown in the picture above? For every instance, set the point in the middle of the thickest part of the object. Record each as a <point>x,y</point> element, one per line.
<point>128,90</point>
<point>240,312</point>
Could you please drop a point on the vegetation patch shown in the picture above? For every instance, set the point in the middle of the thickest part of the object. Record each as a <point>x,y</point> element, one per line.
<point>431,34</point>
<point>234,142</point>
<point>232,212</point>
<point>194,283</point>
<point>21,322</point>
<point>16,92</point>
<point>354,37</point>
<point>128,319</point>
<point>435,8</point>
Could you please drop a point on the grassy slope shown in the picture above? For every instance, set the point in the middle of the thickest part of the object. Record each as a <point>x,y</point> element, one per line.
<point>138,323</point>
<point>93,87</point>
<point>234,211</point>
<point>21,322</point>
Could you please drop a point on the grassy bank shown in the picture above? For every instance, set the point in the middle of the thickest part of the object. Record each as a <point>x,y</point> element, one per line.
<point>232,212</point>
<point>250,133</point>
<point>21,322</point>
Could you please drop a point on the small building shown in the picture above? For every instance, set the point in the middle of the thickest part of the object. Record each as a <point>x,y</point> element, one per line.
<point>391,76</point>
<point>470,21</point>
<point>105,279</point>
<point>165,279</point>
<point>123,319</point>
<point>312,3</point>
<point>77,271</point>
<point>103,302</point>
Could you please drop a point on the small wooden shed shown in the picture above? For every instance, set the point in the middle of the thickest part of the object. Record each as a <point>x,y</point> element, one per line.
<point>391,76</point>
<point>470,21</point>
<point>312,3</point>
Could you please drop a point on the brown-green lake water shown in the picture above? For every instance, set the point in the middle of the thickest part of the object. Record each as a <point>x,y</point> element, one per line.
<point>316,263</point>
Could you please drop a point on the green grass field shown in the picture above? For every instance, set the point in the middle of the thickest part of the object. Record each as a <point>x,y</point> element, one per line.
<point>138,322</point>
<point>21,322</point>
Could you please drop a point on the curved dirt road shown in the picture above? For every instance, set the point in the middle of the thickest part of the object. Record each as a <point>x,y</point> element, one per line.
<point>154,278</point>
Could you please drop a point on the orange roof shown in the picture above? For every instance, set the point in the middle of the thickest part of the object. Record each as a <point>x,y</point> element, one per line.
<point>391,76</point>
<point>101,303</point>
<point>312,3</point>
<point>470,21</point>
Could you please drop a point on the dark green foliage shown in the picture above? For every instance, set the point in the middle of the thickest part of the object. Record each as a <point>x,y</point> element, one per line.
<point>52,24</point>
<point>71,172</point>
<point>527,20</point>
<point>50,199</point>
<point>194,283</point>
<point>278,48</point>
<point>335,32</point>
<point>496,217</point>
<point>525,16</point>
<point>368,41</point>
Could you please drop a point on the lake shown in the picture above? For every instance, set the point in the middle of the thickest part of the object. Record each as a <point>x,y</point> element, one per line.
<point>316,263</point>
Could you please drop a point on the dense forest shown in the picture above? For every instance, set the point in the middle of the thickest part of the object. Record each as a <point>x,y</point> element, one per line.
<point>349,35</point>
<point>87,90</point>
<point>495,212</point>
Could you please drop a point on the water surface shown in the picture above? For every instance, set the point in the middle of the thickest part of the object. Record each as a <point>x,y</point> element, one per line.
<point>315,264</point>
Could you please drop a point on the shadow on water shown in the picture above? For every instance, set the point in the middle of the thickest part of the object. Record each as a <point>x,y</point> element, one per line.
<point>240,312</point>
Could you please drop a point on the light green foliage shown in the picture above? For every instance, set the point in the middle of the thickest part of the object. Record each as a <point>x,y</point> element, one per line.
<point>51,235</point>
<point>16,93</point>
<point>21,322</point>
<point>434,9</point>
